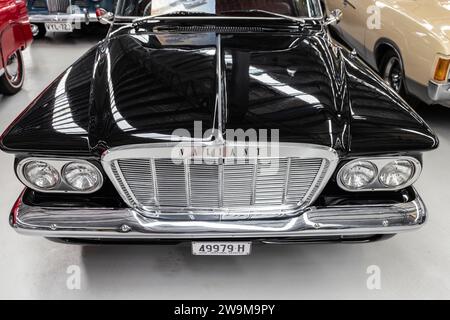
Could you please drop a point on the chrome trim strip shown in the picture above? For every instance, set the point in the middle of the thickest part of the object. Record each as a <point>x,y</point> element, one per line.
<point>104,223</point>
<point>380,162</point>
<point>187,182</point>
<point>286,180</point>
<point>164,150</point>
<point>221,183</point>
<point>220,107</point>
<point>155,182</point>
<point>255,174</point>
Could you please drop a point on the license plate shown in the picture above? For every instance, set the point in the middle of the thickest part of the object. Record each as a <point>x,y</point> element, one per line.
<point>59,27</point>
<point>221,248</point>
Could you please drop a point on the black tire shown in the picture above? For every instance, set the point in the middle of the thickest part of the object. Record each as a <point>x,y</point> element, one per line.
<point>392,71</point>
<point>12,80</point>
<point>400,88</point>
<point>42,31</point>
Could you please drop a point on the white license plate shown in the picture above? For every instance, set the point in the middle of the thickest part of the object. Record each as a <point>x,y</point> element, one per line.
<point>59,27</point>
<point>213,248</point>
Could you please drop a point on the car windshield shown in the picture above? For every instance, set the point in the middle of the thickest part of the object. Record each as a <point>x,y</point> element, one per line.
<point>294,8</point>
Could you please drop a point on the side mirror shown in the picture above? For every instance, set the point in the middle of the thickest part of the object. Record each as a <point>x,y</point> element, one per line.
<point>334,17</point>
<point>103,16</point>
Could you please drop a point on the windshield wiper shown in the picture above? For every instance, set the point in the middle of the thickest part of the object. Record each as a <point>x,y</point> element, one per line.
<point>270,13</point>
<point>139,21</point>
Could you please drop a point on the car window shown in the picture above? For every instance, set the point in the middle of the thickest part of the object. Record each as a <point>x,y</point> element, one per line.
<point>296,8</point>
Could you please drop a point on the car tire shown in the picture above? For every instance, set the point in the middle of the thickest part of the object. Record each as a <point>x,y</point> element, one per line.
<point>392,72</point>
<point>42,32</point>
<point>392,64</point>
<point>12,80</point>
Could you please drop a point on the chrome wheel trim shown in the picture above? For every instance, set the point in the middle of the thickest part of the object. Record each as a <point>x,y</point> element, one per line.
<point>34,30</point>
<point>13,70</point>
<point>393,74</point>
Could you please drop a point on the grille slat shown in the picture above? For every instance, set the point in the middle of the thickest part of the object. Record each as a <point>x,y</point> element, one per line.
<point>139,179</point>
<point>238,182</point>
<point>155,184</point>
<point>204,185</point>
<point>171,183</point>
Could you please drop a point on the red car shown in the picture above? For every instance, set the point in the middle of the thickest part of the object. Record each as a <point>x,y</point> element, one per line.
<point>15,35</point>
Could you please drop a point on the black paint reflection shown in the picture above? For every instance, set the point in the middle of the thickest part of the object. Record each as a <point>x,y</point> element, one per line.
<point>57,120</point>
<point>141,87</point>
<point>381,121</point>
<point>285,86</point>
<point>144,90</point>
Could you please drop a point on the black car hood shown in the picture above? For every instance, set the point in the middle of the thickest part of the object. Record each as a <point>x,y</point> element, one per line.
<point>138,88</point>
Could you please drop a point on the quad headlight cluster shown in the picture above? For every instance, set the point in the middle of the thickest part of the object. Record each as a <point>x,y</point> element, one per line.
<point>60,175</point>
<point>370,174</point>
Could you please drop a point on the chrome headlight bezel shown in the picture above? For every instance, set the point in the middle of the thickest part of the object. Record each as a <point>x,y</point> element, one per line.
<point>58,164</point>
<point>361,163</point>
<point>380,163</point>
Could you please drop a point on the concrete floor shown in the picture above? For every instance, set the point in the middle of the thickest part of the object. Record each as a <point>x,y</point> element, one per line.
<point>413,265</point>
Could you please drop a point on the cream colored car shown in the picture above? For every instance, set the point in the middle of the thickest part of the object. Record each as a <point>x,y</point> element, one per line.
<point>407,41</point>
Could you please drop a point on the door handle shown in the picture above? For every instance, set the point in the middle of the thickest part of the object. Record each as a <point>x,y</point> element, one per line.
<point>348,3</point>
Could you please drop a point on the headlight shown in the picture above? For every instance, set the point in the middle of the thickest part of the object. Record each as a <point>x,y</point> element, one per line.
<point>82,176</point>
<point>358,174</point>
<point>41,174</point>
<point>396,173</point>
<point>59,175</point>
<point>378,174</point>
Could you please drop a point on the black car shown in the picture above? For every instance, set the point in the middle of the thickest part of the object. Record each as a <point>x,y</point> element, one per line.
<point>247,124</point>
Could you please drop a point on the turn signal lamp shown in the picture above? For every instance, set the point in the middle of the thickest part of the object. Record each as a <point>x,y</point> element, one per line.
<point>442,69</point>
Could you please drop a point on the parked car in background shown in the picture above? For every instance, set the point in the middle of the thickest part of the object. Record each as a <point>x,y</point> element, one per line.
<point>15,36</point>
<point>411,47</point>
<point>143,138</point>
<point>64,15</point>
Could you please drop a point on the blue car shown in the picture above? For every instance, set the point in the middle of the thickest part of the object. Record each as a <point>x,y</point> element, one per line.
<point>64,15</point>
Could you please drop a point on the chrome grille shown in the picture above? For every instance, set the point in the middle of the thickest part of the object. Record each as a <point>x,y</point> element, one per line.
<point>58,5</point>
<point>163,183</point>
<point>149,180</point>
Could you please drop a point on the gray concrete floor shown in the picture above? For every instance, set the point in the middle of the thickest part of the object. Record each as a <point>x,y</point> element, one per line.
<point>413,265</point>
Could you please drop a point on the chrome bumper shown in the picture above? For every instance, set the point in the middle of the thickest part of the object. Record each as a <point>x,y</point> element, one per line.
<point>110,223</point>
<point>439,93</point>
<point>76,18</point>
